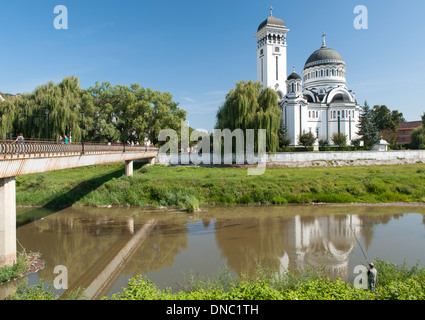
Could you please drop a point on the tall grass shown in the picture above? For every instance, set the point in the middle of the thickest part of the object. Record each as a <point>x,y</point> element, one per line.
<point>190,187</point>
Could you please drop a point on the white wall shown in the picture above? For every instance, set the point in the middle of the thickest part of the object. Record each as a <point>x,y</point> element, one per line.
<point>347,156</point>
<point>418,155</point>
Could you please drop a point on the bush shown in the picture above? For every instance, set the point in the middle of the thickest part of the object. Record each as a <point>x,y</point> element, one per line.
<point>37,292</point>
<point>14,271</point>
<point>326,289</point>
<point>339,139</point>
<point>375,187</point>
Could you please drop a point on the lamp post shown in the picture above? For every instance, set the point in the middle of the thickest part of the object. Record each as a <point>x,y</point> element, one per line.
<point>46,112</point>
<point>82,133</point>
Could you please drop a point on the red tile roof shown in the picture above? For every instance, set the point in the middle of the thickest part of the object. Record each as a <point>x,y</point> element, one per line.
<point>409,125</point>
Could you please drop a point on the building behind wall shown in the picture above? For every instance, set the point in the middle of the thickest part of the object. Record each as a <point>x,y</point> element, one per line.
<point>404,131</point>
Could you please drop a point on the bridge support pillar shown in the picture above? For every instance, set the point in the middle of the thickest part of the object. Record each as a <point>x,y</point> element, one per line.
<point>129,168</point>
<point>7,221</point>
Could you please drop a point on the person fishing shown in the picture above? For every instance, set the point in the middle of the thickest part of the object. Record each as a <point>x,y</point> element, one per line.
<point>372,275</point>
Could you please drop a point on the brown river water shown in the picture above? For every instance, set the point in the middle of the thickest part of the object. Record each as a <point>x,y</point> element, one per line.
<point>102,248</point>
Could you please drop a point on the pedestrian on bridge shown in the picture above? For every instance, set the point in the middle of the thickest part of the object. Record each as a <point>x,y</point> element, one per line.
<point>66,139</point>
<point>20,139</point>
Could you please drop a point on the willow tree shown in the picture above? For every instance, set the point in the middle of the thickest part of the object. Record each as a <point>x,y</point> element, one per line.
<point>62,101</point>
<point>249,107</point>
<point>52,108</point>
<point>7,118</point>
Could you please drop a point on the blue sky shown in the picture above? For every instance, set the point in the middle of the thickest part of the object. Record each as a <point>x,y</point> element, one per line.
<point>198,50</point>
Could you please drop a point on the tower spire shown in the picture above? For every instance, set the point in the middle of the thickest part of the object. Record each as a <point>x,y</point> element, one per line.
<point>324,34</point>
<point>271,11</point>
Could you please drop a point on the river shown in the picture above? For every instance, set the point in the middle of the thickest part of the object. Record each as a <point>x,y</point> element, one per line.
<point>102,248</point>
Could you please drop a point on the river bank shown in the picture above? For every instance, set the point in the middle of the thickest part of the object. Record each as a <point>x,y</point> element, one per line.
<point>190,187</point>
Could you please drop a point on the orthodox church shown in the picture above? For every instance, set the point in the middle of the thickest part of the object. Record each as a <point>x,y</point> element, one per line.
<point>318,101</point>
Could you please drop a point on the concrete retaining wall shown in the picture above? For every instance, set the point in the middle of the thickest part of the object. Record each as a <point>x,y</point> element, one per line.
<point>410,155</point>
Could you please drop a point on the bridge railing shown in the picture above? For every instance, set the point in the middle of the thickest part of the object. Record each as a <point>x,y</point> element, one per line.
<point>33,148</point>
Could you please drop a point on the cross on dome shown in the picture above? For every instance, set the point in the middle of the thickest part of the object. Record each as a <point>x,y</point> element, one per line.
<point>271,11</point>
<point>324,34</point>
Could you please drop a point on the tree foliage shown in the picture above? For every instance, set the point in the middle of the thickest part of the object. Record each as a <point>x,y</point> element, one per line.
<point>367,127</point>
<point>379,121</point>
<point>282,133</point>
<point>385,119</point>
<point>110,112</point>
<point>339,139</point>
<point>249,107</point>
<point>307,139</point>
<point>418,136</point>
<point>27,113</point>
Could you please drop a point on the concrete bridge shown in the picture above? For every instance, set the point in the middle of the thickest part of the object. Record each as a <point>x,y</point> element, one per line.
<point>42,156</point>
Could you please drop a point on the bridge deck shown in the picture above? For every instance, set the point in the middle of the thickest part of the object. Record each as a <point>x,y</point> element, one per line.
<point>35,156</point>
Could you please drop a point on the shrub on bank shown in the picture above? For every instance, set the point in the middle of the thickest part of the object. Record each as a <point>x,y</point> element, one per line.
<point>8,273</point>
<point>394,283</point>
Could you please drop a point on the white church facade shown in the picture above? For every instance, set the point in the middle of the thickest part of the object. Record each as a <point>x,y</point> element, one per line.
<point>319,101</point>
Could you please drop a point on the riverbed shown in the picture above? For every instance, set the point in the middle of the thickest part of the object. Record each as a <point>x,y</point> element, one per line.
<point>102,248</point>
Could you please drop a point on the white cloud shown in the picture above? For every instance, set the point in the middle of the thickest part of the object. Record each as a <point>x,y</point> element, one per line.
<point>189,99</point>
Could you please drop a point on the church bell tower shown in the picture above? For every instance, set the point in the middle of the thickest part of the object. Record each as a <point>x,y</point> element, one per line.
<point>271,54</point>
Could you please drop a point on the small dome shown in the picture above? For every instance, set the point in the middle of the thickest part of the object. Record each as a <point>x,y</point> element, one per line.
<point>294,76</point>
<point>324,56</point>
<point>273,22</point>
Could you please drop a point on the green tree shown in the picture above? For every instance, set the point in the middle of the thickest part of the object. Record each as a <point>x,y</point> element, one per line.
<point>26,113</point>
<point>7,117</point>
<point>385,119</point>
<point>131,113</point>
<point>367,127</point>
<point>418,136</point>
<point>284,139</point>
<point>339,139</point>
<point>249,107</point>
<point>306,139</point>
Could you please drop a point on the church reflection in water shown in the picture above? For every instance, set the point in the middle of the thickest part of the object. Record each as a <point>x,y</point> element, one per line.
<point>321,242</point>
<point>286,243</point>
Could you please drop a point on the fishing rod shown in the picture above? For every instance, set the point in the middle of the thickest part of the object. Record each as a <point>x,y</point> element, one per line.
<point>351,227</point>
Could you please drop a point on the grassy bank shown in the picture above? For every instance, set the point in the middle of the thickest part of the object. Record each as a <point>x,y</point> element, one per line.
<point>188,187</point>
